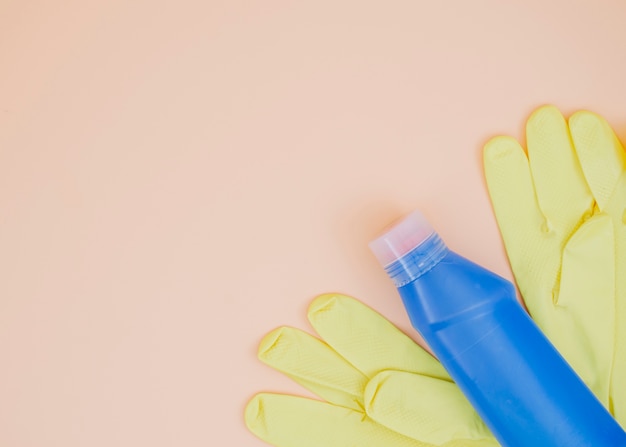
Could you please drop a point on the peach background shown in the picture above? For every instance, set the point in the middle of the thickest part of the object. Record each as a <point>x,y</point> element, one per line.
<point>179,177</point>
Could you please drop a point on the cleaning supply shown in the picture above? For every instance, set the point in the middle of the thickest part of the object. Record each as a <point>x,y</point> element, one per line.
<point>603,162</point>
<point>560,210</point>
<point>379,388</point>
<point>560,240</point>
<point>560,215</point>
<point>522,388</point>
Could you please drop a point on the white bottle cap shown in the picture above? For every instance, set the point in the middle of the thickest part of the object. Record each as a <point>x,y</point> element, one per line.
<point>401,237</point>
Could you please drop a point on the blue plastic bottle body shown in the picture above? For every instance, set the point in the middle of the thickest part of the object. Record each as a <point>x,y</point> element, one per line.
<point>517,381</point>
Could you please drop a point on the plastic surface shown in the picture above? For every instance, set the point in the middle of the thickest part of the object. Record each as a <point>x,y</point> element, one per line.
<point>401,238</point>
<point>516,380</point>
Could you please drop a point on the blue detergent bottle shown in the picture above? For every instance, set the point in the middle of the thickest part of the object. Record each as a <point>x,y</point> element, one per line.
<point>519,384</point>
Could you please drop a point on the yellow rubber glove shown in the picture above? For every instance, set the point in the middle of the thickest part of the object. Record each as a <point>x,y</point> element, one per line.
<point>604,164</point>
<point>380,387</point>
<point>560,235</point>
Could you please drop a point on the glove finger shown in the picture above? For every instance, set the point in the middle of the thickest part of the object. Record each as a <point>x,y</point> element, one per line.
<point>314,365</point>
<point>562,192</point>
<point>584,327</point>
<point>600,153</point>
<point>367,340</point>
<point>521,223</point>
<point>290,421</point>
<point>425,408</point>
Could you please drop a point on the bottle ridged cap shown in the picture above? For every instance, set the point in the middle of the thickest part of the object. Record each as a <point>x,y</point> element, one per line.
<point>401,237</point>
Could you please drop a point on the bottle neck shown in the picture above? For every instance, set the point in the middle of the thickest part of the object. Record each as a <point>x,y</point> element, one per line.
<point>418,261</point>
